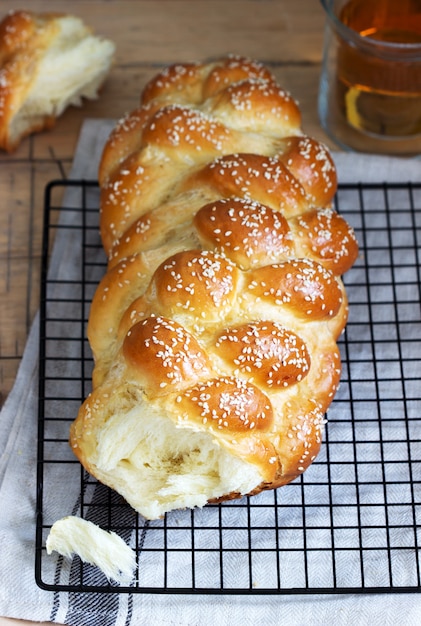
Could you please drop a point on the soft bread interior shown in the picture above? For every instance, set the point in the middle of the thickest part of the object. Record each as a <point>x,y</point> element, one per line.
<point>107,550</point>
<point>72,67</point>
<point>158,465</point>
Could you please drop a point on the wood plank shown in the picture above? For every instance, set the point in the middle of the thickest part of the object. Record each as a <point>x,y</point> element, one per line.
<point>165,31</point>
<point>21,222</point>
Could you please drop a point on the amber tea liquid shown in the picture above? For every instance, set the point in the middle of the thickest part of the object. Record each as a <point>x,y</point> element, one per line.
<point>381,93</point>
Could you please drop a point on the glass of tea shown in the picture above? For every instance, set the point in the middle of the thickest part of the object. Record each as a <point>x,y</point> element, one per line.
<point>370,86</point>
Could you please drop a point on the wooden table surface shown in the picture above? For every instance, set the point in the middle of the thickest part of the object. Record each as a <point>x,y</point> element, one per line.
<point>149,34</point>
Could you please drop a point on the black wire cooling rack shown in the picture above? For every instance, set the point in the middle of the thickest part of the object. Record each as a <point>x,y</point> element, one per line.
<point>350,524</point>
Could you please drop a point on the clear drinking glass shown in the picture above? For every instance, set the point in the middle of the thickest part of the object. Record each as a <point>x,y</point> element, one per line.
<point>370,86</point>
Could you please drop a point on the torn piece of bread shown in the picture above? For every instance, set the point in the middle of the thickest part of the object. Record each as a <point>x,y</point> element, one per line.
<point>47,62</point>
<point>214,330</point>
<point>74,535</point>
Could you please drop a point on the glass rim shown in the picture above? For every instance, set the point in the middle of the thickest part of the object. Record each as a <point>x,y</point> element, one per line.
<point>367,42</point>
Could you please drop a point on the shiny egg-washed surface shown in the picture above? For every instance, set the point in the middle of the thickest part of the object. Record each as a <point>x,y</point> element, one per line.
<point>214,329</point>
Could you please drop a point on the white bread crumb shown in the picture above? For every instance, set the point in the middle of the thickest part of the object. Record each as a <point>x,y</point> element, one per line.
<point>74,535</point>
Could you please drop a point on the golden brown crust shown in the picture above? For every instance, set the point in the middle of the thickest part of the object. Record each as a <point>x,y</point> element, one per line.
<point>311,164</point>
<point>269,354</point>
<point>163,355</point>
<point>302,286</point>
<point>23,37</point>
<point>247,232</point>
<point>223,301</point>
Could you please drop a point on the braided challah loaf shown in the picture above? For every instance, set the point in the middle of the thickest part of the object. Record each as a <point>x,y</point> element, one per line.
<point>214,329</point>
